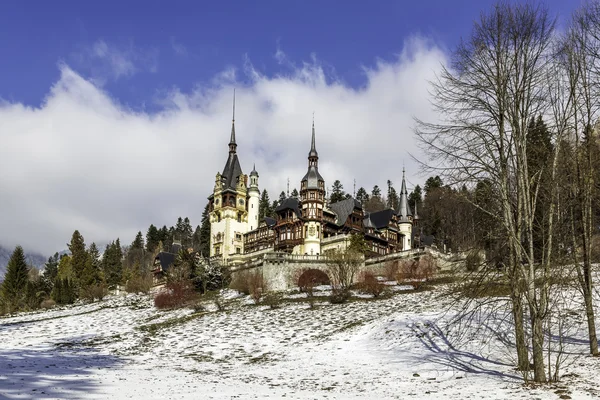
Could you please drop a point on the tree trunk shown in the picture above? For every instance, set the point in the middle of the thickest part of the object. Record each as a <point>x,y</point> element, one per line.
<point>520,340</point>
<point>539,373</point>
<point>589,312</point>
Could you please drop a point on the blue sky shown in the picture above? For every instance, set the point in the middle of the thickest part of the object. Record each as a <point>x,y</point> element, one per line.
<point>186,43</point>
<point>116,115</point>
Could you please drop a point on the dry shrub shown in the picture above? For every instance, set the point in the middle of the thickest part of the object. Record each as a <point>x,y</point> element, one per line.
<point>257,285</point>
<point>427,267</point>
<point>97,291</point>
<point>175,295</point>
<point>179,290</point>
<point>273,300</point>
<point>139,284</point>
<point>370,284</point>
<point>250,283</point>
<point>417,272</point>
<point>48,304</point>
<point>339,296</point>
<point>391,269</point>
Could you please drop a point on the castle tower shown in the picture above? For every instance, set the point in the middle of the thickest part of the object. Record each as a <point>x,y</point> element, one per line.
<point>229,213</point>
<point>405,218</point>
<point>253,200</point>
<point>312,194</point>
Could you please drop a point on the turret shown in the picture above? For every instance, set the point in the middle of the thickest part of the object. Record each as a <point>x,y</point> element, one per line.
<point>405,218</point>
<point>229,204</point>
<point>312,194</point>
<point>253,200</point>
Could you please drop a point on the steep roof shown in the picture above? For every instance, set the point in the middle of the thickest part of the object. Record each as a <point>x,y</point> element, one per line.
<point>381,219</point>
<point>254,173</point>
<point>166,259</point>
<point>232,169</point>
<point>313,177</point>
<point>404,209</point>
<point>231,172</point>
<point>291,203</point>
<point>344,208</point>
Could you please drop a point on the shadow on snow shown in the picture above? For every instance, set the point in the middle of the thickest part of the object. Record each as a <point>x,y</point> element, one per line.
<point>63,371</point>
<point>446,354</point>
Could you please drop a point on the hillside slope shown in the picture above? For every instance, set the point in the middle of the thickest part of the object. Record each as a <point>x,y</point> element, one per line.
<point>399,347</point>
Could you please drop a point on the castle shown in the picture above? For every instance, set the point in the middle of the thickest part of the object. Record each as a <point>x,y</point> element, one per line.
<point>304,225</point>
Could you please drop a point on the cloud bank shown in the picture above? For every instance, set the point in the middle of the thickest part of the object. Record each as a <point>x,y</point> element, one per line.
<point>84,161</point>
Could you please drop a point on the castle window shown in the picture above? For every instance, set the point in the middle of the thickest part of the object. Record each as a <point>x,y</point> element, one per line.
<point>312,195</point>
<point>238,236</point>
<point>238,250</point>
<point>239,217</point>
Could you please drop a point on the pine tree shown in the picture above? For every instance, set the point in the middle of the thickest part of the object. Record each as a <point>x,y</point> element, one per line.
<point>112,264</point>
<point>15,280</point>
<point>337,192</point>
<point>164,237</point>
<point>186,235</point>
<point>392,196</point>
<point>138,242</point>
<point>79,256</point>
<point>376,192</point>
<point>295,192</point>
<point>415,197</point>
<point>152,238</point>
<point>264,205</point>
<point>433,182</point>
<point>92,274</point>
<point>179,228</point>
<point>50,272</point>
<point>374,202</point>
<point>197,239</point>
<point>362,195</point>
<point>205,232</point>
<point>282,197</point>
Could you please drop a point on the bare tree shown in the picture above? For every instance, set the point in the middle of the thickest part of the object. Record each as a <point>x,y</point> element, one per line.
<point>580,56</point>
<point>494,85</point>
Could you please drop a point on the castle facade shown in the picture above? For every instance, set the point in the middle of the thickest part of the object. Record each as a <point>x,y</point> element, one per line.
<point>303,225</point>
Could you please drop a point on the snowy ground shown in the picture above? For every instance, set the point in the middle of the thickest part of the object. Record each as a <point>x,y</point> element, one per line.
<point>398,347</point>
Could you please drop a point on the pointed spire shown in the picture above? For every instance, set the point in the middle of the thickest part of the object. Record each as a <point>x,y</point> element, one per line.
<point>232,143</point>
<point>404,209</point>
<point>313,147</point>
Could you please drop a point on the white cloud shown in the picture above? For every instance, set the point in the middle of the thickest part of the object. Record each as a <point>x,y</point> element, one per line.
<point>110,61</point>
<point>83,161</point>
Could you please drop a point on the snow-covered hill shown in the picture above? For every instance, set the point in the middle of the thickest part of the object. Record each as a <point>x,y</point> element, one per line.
<point>394,348</point>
